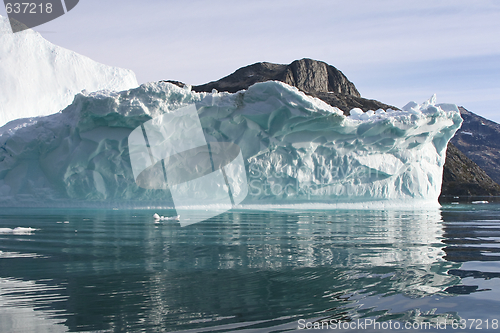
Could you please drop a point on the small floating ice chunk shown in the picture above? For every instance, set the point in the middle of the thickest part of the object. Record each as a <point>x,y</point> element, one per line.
<point>163,218</point>
<point>17,231</point>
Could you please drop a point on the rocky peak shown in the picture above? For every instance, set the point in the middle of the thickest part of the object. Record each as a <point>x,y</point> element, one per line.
<point>316,76</point>
<point>308,75</point>
<point>313,77</point>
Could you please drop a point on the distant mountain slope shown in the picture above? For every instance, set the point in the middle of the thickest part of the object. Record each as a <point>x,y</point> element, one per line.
<point>316,78</point>
<point>463,177</point>
<point>479,139</point>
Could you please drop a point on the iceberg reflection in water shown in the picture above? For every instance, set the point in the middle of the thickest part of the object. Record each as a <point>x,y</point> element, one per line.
<point>21,312</point>
<point>249,269</point>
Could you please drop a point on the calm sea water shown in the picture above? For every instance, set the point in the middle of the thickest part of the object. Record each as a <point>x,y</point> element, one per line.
<point>254,271</point>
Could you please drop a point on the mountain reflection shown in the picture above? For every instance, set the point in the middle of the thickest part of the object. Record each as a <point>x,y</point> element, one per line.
<point>472,233</point>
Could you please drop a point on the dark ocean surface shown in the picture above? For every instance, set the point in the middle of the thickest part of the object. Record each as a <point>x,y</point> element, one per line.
<point>251,271</point>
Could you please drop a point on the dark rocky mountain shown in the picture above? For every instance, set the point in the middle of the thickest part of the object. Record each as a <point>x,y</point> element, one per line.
<point>479,139</point>
<point>462,177</point>
<point>315,78</point>
<point>306,74</point>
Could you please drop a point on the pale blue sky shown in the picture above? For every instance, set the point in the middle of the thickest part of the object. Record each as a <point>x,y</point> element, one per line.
<point>393,50</point>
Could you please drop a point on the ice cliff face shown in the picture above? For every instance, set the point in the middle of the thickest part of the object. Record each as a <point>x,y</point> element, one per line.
<point>297,149</point>
<point>39,78</point>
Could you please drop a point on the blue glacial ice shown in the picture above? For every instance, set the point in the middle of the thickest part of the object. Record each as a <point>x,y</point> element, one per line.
<point>296,149</point>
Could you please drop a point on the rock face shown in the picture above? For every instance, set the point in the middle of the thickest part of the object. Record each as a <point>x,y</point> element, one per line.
<point>479,139</point>
<point>463,177</point>
<point>306,74</point>
<point>316,78</point>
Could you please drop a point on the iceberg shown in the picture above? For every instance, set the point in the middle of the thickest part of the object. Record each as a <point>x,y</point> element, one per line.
<point>39,78</point>
<point>297,150</point>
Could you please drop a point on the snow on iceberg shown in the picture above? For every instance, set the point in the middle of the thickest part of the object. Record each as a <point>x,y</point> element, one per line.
<point>296,148</point>
<point>39,78</point>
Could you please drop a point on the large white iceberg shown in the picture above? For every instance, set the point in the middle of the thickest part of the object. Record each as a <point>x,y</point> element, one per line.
<point>39,78</point>
<point>296,148</point>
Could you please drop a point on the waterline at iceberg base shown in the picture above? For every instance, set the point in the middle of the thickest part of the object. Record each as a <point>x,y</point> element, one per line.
<point>296,148</point>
